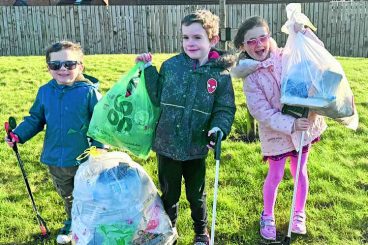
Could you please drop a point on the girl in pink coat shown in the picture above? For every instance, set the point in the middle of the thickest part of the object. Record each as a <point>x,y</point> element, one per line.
<point>279,133</point>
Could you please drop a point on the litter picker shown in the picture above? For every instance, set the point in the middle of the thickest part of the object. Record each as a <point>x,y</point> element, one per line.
<point>9,126</point>
<point>219,136</point>
<point>297,112</point>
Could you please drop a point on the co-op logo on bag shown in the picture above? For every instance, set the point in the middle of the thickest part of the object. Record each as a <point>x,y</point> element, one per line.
<point>120,115</point>
<point>211,85</point>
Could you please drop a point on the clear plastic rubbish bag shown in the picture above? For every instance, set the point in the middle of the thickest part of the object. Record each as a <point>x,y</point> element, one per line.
<point>311,76</point>
<point>116,202</point>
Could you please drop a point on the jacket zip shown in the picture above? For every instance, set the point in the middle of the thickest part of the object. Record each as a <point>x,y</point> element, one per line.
<point>61,125</point>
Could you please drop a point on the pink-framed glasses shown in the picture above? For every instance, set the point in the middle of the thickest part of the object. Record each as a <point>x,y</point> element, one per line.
<point>254,41</point>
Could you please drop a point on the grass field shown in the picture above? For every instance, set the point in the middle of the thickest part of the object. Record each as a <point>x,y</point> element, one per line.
<point>337,206</point>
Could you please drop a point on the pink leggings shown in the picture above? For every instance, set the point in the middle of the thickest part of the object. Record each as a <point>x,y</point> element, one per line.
<point>274,177</point>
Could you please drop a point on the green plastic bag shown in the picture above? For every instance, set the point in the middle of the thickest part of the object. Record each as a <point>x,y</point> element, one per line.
<point>125,117</point>
<point>116,234</point>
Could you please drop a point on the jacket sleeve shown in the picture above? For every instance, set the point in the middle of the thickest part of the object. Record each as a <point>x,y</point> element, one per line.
<point>95,96</point>
<point>223,111</point>
<point>33,123</point>
<point>153,81</point>
<point>262,110</point>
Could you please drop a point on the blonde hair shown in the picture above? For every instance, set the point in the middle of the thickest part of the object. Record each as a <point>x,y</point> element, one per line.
<point>56,47</point>
<point>209,21</point>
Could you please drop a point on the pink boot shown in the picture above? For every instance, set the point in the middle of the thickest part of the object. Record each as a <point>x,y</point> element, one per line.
<point>299,226</point>
<point>268,227</point>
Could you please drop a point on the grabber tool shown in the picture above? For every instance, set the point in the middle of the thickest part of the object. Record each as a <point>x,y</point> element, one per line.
<point>218,140</point>
<point>9,126</point>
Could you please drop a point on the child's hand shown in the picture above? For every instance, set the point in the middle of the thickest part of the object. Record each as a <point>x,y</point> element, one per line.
<point>12,140</point>
<point>212,137</point>
<point>145,57</point>
<point>301,124</point>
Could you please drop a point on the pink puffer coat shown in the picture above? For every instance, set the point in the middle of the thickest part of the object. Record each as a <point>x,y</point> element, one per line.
<point>263,91</point>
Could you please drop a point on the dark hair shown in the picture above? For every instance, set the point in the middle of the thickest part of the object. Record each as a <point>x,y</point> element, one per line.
<point>56,47</point>
<point>255,21</point>
<point>209,21</point>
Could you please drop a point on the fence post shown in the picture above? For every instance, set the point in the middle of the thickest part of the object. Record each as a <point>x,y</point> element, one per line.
<point>223,23</point>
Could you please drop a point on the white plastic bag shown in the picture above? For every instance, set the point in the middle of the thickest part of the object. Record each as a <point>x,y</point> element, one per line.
<point>311,76</point>
<point>116,202</point>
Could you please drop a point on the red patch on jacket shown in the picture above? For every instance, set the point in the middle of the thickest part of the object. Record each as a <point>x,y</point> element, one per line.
<point>211,85</point>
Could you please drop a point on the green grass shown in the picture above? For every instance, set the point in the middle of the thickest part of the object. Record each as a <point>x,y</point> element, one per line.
<point>337,206</point>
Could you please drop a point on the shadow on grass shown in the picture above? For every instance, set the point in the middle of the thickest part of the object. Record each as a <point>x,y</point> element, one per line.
<point>9,177</point>
<point>37,239</point>
<point>280,236</point>
<point>244,138</point>
<point>365,230</point>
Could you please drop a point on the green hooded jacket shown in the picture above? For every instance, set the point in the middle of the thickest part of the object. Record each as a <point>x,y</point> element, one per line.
<point>193,99</point>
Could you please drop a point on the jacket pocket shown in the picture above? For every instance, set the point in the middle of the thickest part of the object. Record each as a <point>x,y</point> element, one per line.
<point>199,128</point>
<point>168,124</point>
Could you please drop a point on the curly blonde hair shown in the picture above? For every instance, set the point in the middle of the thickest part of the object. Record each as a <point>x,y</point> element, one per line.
<point>208,20</point>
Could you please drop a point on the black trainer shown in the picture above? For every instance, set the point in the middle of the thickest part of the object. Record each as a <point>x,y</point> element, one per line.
<point>203,239</point>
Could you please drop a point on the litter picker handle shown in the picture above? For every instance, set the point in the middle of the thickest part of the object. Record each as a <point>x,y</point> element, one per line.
<point>219,136</point>
<point>12,123</point>
<point>9,126</point>
<point>295,111</point>
<point>8,129</point>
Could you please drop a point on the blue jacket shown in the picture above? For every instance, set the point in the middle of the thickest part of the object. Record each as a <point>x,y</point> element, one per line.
<point>67,111</point>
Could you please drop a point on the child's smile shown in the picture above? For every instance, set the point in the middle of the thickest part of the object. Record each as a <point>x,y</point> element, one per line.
<point>196,43</point>
<point>256,43</point>
<point>67,73</point>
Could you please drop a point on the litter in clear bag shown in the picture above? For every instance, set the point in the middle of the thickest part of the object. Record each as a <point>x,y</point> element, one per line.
<point>116,202</point>
<point>311,76</point>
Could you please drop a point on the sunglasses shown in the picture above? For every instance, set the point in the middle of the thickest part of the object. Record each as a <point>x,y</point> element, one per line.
<point>68,64</point>
<point>254,41</point>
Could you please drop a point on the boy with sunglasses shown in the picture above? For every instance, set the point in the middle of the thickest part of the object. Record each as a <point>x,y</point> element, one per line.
<point>65,104</point>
